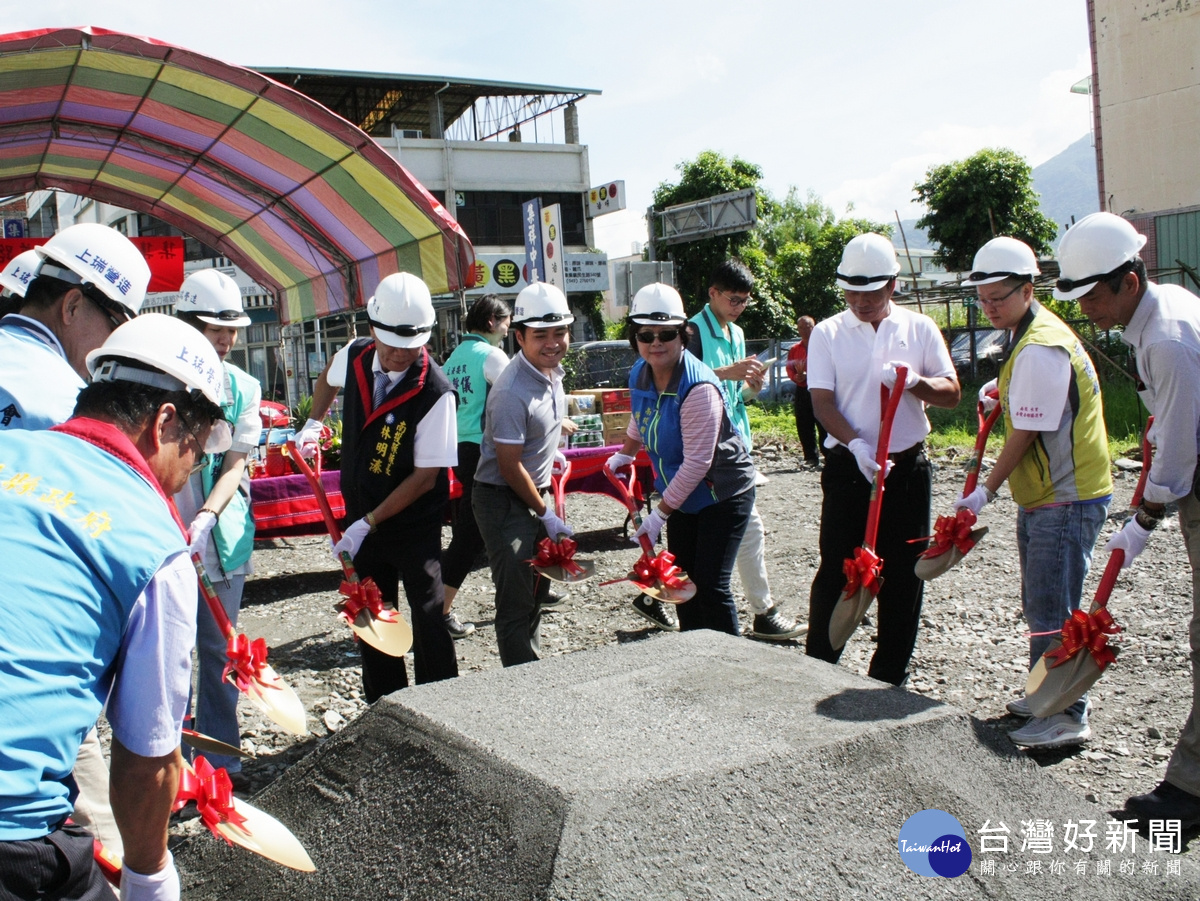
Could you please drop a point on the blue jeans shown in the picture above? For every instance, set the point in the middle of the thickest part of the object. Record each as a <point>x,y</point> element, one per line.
<point>1055,546</point>
<point>217,699</point>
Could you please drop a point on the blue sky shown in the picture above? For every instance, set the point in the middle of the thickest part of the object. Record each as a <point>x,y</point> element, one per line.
<point>851,100</point>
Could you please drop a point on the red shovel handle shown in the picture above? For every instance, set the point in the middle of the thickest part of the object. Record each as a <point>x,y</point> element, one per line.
<point>210,598</point>
<point>559,477</point>
<point>1113,568</point>
<point>631,505</point>
<point>318,490</point>
<point>889,405</point>
<point>981,437</point>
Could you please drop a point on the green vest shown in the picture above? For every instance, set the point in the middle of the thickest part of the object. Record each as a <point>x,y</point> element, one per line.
<point>718,351</point>
<point>464,368</point>
<point>1069,464</point>
<point>234,531</point>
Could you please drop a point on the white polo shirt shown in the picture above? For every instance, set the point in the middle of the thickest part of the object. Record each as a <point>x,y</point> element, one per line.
<point>847,356</point>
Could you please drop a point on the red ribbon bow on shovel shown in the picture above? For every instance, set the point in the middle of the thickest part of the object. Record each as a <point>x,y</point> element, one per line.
<point>862,571</point>
<point>557,553</point>
<point>213,793</point>
<point>952,531</point>
<point>658,569</point>
<point>246,661</point>
<point>364,595</point>
<point>1090,631</point>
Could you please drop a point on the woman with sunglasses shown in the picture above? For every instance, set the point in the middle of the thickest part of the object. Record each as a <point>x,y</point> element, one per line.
<point>701,466</point>
<point>216,500</point>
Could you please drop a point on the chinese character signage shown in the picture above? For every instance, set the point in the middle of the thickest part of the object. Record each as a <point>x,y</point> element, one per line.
<point>607,198</point>
<point>531,222</point>
<point>163,255</point>
<point>552,247</point>
<point>500,273</point>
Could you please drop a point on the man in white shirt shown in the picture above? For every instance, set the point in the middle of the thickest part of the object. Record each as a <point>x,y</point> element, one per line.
<point>850,355</point>
<point>399,435</point>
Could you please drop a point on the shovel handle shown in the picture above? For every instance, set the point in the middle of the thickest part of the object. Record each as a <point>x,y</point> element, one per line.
<point>318,491</point>
<point>889,404</point>
<point>985,428</point>
<point>210,598</point>
<point>558,482</point>
<point>1147,455</point>
<point>630,505</point>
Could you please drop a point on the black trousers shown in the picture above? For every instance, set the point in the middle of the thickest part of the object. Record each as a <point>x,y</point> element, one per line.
<point>905,515</point>
<point>705,546</point>
<point>55,866</point>
<point>464,553</point>
<point>412,556</point>
<point>807,424</point>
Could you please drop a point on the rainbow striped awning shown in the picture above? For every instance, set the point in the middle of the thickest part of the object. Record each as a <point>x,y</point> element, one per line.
<point>304,201</point>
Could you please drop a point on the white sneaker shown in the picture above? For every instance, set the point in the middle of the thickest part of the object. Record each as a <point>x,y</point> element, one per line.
<point>1057,731</point>
<point>1019,707</point>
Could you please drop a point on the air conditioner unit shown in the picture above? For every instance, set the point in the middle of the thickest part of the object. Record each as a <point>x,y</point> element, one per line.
<point>412,133</point>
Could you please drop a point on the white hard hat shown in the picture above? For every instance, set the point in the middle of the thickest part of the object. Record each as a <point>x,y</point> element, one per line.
<point>868,262</point>
<point>214,297</point>
<point>1092,248</point>
<point>1001,258</point>
<point>20,271</point>
<point>401,311</point>
<point>182,360</point>
<point>94,254</point>
<point>542,305</point>
<point>657,304</point>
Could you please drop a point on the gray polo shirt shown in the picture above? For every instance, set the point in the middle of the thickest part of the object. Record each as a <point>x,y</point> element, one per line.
<point>524,407</point>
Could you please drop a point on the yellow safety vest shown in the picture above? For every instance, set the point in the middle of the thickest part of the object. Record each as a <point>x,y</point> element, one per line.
<point>1069,464</point>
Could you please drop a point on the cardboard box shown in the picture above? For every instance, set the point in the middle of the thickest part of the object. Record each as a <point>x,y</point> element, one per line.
<point>583,398</point>
<point>616,400</point>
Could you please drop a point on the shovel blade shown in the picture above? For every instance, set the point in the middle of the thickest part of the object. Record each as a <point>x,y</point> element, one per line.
<point>929,568</point>
<point>209,745</point>
<point>1050,690</point>
<point>849,612</point>
<point>559,574</point>
<point>661,592</point>
<point>391,638</point>
<point>265,835</point>
<point>279,702</point>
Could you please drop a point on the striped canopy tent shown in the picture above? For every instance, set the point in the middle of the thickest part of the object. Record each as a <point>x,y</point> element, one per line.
<point>302,200</point>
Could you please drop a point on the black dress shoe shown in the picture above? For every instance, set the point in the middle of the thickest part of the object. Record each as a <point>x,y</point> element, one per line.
<point>1167,802</point>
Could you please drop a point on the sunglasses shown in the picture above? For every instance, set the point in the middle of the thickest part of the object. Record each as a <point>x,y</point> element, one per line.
<point>1070,284</point>
<point>228,315</point>
<point>404,331</point>
<point>860,281</point>
<point>116,314</point>
<point>666,336</point>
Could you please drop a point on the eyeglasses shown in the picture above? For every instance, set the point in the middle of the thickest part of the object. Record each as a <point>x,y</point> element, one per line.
<point>114,312</point>
<point>666,336</point>
<point>860,281</point>
<point>736,301</point>
<point>404,331</point>
<point>995,302</point>
<point>202,458</point>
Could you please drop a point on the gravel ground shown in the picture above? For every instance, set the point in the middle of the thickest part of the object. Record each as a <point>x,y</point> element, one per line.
<point>971,651</point>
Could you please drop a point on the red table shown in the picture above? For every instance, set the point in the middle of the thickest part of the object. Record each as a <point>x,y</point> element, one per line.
<point>285,506</point>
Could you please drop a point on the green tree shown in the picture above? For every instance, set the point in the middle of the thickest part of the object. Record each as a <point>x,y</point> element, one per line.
<point>973,200</point>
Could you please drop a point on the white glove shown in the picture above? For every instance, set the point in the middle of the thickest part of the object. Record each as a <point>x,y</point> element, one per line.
<point>160,886</point>
<point>198,533</point>
<point>911,379</point>
<point>309,437</point>
<point>1131,539</point>
<point>864,455</point>
<point>985,396</point>
<point>559,466</point>
<point>555,527</point>
<point>352,539</point>
<point>975,501</point>
<point>651,527</point>
<point>618,461</point>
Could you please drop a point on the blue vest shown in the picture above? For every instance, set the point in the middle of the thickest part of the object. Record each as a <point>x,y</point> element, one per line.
<point>658,421</point>
<point>81,536</point>
<point>37,386</point>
